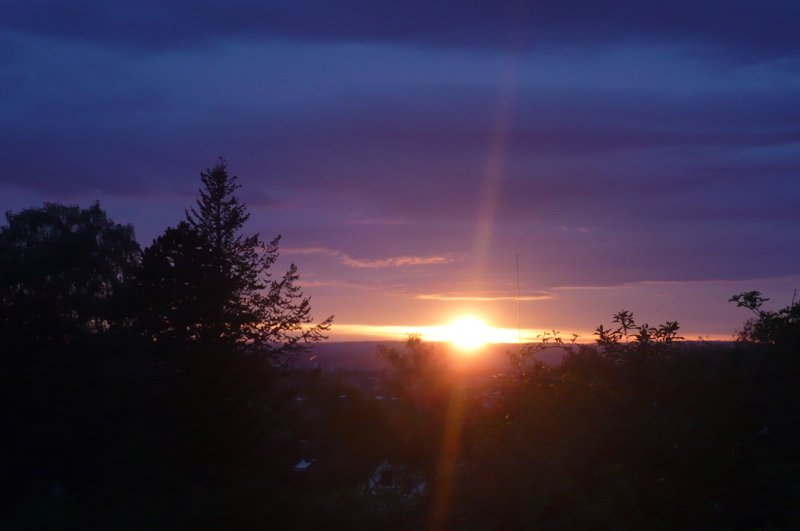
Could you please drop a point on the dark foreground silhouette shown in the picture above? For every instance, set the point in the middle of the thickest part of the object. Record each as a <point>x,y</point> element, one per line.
<point>140,390</point>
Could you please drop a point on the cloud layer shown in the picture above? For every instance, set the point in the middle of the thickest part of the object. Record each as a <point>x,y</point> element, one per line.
<point>766,28</point>
<point>415,149</point>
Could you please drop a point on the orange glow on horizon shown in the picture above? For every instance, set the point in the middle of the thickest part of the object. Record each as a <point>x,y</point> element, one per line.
<point>482,334</point>
<point>497,335</point>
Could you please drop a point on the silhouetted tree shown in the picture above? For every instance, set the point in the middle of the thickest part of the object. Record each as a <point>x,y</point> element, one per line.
<point>64,272</point>
<point>420,372</point>
<point>172,285</point>
<point>630,337</point>
<point>63,269</point>
<point>206,283</point>
<point>781,328</point>
<point>421,379</point>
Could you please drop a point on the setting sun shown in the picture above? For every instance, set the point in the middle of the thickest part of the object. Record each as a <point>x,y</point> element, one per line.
<point>467,333</point>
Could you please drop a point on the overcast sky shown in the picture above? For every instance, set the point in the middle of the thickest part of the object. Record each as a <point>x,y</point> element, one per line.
<point>638,154</point>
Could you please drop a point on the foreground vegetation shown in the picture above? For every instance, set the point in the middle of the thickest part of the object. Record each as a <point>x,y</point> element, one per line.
<point>141,390</point>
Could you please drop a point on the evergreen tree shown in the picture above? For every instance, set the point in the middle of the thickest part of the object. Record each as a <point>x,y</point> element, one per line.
<point>209,284</point>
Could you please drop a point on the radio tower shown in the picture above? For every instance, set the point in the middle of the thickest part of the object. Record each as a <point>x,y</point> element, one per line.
<point>519,312</point>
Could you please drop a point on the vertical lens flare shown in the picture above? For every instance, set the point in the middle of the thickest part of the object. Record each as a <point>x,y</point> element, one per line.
<point>445,469</point>
<point>495,167</point>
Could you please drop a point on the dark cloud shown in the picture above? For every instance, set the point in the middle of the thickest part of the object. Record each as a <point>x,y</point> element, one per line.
<point>568,157</point>
<point>594,177</point>
<point>634,156</point>
<point>752,29</point>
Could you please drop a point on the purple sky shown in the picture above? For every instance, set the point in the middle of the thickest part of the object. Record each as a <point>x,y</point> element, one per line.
<point>640,155</point>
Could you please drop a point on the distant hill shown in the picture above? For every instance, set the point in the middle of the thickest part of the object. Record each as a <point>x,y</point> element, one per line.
<point>363,355</point>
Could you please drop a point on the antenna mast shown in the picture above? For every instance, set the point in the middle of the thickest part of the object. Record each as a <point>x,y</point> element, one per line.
<point>519,313</point>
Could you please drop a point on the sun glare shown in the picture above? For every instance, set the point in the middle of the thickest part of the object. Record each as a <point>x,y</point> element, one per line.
<point>467,333</point>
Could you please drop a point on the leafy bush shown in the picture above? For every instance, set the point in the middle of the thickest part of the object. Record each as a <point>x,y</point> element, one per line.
<point>780,328</point>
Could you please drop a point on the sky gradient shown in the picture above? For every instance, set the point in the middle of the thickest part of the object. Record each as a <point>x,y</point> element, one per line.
<point>639,155</point>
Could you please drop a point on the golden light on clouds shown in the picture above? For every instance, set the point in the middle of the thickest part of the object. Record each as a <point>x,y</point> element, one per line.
<point>374,263</point>
<point>482,298</point>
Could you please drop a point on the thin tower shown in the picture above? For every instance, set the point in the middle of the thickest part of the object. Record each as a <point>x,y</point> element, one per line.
<point>519,312</point>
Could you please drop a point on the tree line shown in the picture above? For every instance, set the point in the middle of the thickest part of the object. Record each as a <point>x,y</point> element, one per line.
<point>154,389</point>
<point>71,273</point>
<point>132,376</point>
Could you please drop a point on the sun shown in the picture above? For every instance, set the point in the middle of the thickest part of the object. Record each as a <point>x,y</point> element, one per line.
<point>467,333</point>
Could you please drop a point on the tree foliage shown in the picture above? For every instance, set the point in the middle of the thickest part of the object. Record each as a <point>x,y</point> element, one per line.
<point>104,426</point>
<point>419,371</point>
<point>630,336</point>
<point>780,328</point>
<point>205,282</point>
<point>63,271</point>
<point>106,432</point>
<point>628,341</point>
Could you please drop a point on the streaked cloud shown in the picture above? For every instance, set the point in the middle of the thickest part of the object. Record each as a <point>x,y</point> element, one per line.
<point>482,298</point>
<point>336,283</point>
<point>395,261</point>
<point>374,263</point>
<point>582,230</point>
<point>310,250</point>
<point>379,221</point>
